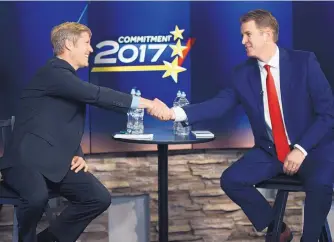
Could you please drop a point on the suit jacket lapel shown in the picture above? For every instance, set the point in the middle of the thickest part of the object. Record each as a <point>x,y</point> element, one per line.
<point>255,84</point>
<point>285,78</point>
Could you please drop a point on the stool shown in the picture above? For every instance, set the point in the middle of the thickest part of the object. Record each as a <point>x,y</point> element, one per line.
<point>285,184</point>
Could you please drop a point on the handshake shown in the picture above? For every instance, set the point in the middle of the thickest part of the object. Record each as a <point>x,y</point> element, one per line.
<point>157,109</point>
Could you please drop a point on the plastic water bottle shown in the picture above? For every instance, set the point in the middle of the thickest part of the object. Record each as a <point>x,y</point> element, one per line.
<point>176,100</point>
<point>180,130</point>
<point>138,127</point>
<point>130,123</point>
<point>176,104</point>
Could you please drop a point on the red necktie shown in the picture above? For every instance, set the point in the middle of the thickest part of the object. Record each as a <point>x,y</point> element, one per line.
<point>280,139</point>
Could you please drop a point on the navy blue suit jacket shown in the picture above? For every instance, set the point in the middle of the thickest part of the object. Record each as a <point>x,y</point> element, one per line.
<point>307,101</point>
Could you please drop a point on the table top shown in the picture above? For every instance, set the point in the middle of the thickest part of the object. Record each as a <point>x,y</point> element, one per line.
<point>165,136</point>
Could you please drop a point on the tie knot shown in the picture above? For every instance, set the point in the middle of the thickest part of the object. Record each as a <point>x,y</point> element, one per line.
<point>267,67</point>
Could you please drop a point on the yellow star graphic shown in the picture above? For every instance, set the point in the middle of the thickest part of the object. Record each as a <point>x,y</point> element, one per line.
<point>178,49</point>
<point>172,69</point>
<point>177,33</point>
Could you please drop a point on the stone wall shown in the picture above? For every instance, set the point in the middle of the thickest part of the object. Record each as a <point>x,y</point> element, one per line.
<point>199,211</point>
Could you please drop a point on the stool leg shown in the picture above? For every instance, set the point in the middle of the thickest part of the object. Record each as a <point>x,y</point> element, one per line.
<point>279,209</point>
<point>15,226</point>
<point>325,233</point>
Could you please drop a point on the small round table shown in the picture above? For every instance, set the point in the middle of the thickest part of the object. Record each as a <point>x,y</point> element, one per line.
<point>162,138</point>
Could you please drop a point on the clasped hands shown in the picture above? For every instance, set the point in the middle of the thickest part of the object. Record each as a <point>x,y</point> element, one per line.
<point>160,110</point>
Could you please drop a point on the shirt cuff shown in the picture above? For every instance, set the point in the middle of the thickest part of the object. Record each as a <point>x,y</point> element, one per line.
<point>301,149</point>
<point>135,102</point>
<point>180,114</point>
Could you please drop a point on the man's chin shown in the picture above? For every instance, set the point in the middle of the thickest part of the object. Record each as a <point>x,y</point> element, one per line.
<point>250,54</point>
<point>85,65</point>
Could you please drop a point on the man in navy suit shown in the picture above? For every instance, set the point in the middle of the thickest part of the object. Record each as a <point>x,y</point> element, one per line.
<point>289,104</point>
<point>45,152</point>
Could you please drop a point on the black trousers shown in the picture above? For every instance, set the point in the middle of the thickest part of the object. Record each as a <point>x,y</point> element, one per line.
<point>87,196</point>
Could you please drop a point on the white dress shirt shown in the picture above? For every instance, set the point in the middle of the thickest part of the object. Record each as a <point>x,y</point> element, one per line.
<point>180,114</point>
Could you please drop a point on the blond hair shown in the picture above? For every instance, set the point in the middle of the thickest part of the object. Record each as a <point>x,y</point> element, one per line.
<point>262,19</point>
<point>66,31</point>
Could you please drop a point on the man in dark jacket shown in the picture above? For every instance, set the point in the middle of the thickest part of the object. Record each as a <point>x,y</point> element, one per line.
<point>45,150</point>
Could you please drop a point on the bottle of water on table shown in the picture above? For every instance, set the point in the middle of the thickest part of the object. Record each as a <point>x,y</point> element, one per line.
<point>138,127</point>
<point>130,114</point>
<point>176,104</point>
<point>180,129</point>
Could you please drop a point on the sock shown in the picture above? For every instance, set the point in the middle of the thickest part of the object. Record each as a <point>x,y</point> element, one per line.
<point>271,227</point>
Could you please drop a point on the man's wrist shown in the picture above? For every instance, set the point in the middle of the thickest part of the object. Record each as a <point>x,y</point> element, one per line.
<point>172,116</point>
<point>180,115</point>
<point>145,103</point>
<point>301,149</point>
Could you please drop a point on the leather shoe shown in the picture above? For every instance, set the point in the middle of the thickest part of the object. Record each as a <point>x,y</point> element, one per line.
<point>286,236</point>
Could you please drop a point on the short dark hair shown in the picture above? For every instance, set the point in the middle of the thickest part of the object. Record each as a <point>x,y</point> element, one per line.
<point>262,19</point>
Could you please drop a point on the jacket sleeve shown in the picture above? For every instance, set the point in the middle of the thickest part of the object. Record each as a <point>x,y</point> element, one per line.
<point>63,83</point>
<point>212,108</point>
<point>322,100</point>
<point>223,102</point>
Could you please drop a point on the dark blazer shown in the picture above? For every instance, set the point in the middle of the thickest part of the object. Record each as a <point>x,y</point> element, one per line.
<point>307,101</point>
<point>51,118</point>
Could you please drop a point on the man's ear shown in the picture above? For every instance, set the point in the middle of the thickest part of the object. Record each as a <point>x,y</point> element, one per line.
<point>269,33</point>
<point>68,45</point>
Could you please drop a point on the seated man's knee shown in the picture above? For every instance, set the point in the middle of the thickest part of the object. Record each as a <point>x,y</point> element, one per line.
<point>37,201</point>
<point>318,186</point>
<point>103,200</point>
<point>229,180</point>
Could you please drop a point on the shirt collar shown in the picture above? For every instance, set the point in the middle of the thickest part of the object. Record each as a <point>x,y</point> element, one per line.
<point>273,62</point>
